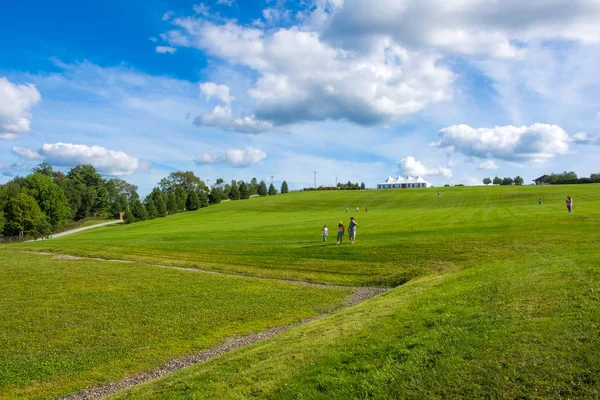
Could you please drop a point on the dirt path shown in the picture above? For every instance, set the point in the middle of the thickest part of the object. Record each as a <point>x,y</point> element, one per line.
<point>85,228</point>
<point>358,295</point>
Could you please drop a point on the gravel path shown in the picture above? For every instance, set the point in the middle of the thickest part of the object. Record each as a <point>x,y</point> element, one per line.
<point>358,295</point>
<point>85,228</point>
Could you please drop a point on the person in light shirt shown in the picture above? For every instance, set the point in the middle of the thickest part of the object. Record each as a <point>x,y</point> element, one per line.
<point>325,232</point>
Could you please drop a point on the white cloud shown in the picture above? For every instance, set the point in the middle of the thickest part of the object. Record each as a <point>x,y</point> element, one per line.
<point>108,162</point>
<point>27,153</point>
<point>301,78</point>
<point>536,143</point>
<point>220,92</point>
<point>168,15</point>
<point>222,117</point>
<point>472,181</point>
<point>234,157</point>
<point>201,9</point>
<point>226,2</point>
<point>16,102</point>
<point>165,49</point>
<point>410,166</point>
<point>585,138</point>
<point>489,164</point>
<point>471,27</point>
<point>153,39</point>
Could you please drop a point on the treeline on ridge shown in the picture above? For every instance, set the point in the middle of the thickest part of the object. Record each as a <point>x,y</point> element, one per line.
<point>46,200</point>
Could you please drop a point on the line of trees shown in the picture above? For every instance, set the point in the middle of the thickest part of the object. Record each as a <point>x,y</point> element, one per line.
<point>506,181</point>
<point>340,186</point>
<point>569,177</point>
<point>46,200</point>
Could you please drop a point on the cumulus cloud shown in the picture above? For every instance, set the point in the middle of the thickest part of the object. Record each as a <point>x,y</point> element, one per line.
<point>234,157</point>
<point>537,142</point>
<point>16,102</point>
<point>471,27</point>
<point>220,92</point>
<point>489,164</point>
<point>27,153</point>
<point>108,162</point>
<point>168,15</point>
<point>585,138</point>
<point>410,166</point>
<point>302,78</point>
<point>226,2</point>
<point>201,9</point>
<point>165,49</point>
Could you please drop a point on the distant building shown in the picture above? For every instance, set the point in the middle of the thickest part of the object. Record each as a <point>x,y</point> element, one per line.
<point>401,182</point>
<point>541,180</point>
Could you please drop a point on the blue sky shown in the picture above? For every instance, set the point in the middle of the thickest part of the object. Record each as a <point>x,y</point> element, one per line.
<point>352,89</point>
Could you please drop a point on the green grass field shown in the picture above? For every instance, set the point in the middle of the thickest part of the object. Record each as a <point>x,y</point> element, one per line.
<point>495,296</point>
<point>69,324</point>
<point>404,233</point>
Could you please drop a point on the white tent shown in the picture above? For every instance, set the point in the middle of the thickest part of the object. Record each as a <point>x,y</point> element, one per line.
<point>409,182</point>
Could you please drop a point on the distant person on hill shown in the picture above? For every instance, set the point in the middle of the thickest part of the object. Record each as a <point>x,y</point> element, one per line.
<point>570,204</point>
<point>356,208</point>
<point>438,193</point>
<point>540,201</point>
<point>325,233</point>
<point>352,230</point>
<point>346,209</point>
<point>366,209</point>
<point>341,231</point>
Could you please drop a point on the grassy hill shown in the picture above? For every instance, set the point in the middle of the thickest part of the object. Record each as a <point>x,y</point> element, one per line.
<point>404,233</point>
<point>499,296</point>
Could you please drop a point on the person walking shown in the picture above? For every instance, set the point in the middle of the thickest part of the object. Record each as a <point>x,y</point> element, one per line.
<point>341,231</point>
<point>325,232</point>
<point>352,230</point>
<point>570,204</point>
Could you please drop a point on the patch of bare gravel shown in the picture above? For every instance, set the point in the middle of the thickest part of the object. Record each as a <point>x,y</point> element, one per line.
<point>358,295</point>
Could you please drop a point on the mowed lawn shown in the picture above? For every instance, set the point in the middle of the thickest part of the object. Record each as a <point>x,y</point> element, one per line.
<point>69,324</point>
<point>405,233</point>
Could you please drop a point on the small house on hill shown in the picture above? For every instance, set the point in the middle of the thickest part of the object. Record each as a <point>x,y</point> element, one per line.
<point>401,182</point>
<point>541,180</point>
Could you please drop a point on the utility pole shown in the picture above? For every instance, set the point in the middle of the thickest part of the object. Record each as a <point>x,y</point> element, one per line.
<point>315,179</point>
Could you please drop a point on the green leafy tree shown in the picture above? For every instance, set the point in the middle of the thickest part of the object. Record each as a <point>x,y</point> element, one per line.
<point>151,210</point>
<point>219,181</point>
<point>487,181</point>
<point>187,179</point>
<point>497,181</point>
<point>2,222</point>
<point>136,208</point>
<point>362,186</point>
<point>161,205</point>
<point>87,191</point>
<point>180,197</point>
<point>244,190</point>
<point>253,186</point>
<point>262,188</point>
<point>129,217</point>
<point>518,180</point>
<point>171,203</point>
<point>193,202</point>
<point>203,198</point>
<point>507,181</point>
<point>234,191</point>
<point>216,195</point>
<point>272,191</point>
<point>284,187</point>
<point>44,169</point>
<point>50,197</point>
<point>24,217</point>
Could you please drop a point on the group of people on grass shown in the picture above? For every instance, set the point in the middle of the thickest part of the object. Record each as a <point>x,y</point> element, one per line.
<point>569,203</point>
<point>341,230</point>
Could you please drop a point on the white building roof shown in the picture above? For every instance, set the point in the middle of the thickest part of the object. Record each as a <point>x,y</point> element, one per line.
<point>408,179</point>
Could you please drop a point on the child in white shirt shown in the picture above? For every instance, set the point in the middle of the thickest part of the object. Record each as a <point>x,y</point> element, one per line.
<point>325,232</point>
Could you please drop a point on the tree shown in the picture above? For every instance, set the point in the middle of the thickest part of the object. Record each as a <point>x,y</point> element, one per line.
<point>234,192</point>
<point>244,191</point>
<point>487,181</point>
<point>151,210</point>
<point>595,178</point>
<point>171,203</point>
<point>180,197</point>
<point>87,191</point>
<point>203,198</point>
<point>188,180</point>
<point>216,195</point>
<point>44,169</point>
<point>129,217</point>
<point>161,205</point>
<point>272,190</point>
<point>518,180</point>
<point>497,181</point>
<point>193,202</point>
<point>284,187</point>
<point>262,188</point>
<point>2,222</point>
<point>253,186</point>
<point>49,197</point>
<point>137,209</point>
<point>507,181</point>
<point>219,181</point>
<point>24,217</point>
<point>362,186</point>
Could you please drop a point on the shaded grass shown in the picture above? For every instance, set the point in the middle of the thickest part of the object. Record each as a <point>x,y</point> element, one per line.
<point>68,324</point>
<point>404,234</point>
<point>518,329</point>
